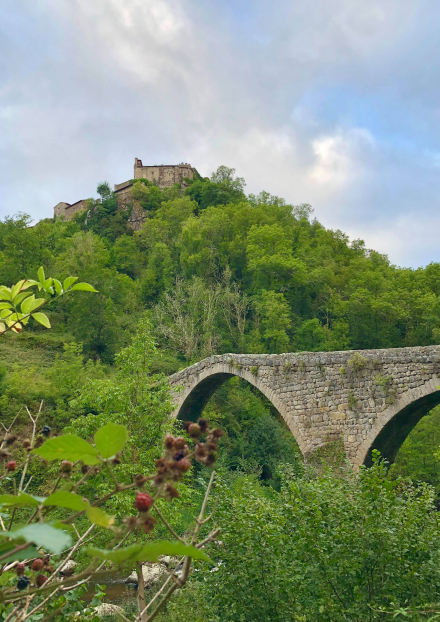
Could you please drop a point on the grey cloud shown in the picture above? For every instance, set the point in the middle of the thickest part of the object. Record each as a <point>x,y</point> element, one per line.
<point>87,86</point>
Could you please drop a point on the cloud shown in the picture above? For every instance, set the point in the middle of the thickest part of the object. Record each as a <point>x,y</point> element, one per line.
<point>330,103</point>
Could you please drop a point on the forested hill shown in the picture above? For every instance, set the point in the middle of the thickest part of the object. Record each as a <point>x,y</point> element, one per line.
<point>221,271</point>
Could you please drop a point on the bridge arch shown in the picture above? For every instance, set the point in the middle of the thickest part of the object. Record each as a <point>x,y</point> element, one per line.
<point>394,424</point>
<point>193,399</point>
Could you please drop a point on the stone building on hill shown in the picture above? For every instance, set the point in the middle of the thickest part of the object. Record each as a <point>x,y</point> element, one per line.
<point>162,175</point>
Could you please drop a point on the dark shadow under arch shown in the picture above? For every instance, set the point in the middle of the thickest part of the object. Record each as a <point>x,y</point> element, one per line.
<point>194,404</point>
<point>393,434</point>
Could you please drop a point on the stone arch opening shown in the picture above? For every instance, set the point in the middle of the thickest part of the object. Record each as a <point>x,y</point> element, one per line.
<point>193,399</point>
<point>397,421</point>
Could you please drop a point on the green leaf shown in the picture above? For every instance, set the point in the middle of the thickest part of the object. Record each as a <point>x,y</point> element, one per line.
<point>31,303</point>
<point>118,556</point>
<point>21,499</point>
<point>99,517</point>
<point>111,439</point>
<point>85,287</point>
<point>152,552</point>
<point>58,287</point>
<point>44,535</point>
<point>42,319</point>
<point>29,283</point>
<point>5,293</point>
<point>15,289</point>
<point>4,313</point>
<point>68,447</point>
<point>28,553</point>
<point>5,305</point>
<point>41,276</point>
<point>21,297</point>
<point>64,499</point>
<point>69,281</point>
<point>149,552</point>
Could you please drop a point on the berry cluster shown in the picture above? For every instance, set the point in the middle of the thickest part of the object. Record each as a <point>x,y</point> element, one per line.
<point>38,565</point>
<point>171,467</point>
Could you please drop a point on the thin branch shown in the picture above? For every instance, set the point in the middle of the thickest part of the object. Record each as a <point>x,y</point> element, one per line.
<point>35,609</point>
<point>167,525</point>
<point>34,431</point>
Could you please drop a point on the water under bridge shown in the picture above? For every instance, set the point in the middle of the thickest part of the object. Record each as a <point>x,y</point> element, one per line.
<point>371,399</point>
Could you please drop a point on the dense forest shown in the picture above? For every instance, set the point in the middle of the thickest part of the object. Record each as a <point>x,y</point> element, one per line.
<point>214,270</point>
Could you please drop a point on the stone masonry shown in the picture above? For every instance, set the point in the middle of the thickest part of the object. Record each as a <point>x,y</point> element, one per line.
<point>163,175</point>
<point>370,399</point>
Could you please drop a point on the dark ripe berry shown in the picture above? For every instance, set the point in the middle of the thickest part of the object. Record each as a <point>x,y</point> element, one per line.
<point>203,424</point>
<point>22,583</point>
<point>10,439</point>
<point>37,564</point>
<point>11,465</point>
<point>66,466</point>
<point>116,459</point>
<point>184,465</point>
<point>26,443</point>
<point>169,441</point>
<point>217,433</point>
<point>40,580</point>
<point>179,443</point>
<point>20,569</point>
<point>143,502</point>
<point>194,430</point>
<point>148,524</point>
<point>45,431</point>
<point>140,480</point>
<point>172,493</point>
<point>179,455</point>
<point>84,469</point>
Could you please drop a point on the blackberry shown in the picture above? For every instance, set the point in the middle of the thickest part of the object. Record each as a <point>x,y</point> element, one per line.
<point>23,582</point>
<point>46,430</point>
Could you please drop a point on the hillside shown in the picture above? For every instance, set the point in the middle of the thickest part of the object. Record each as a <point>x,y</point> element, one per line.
<point>216,271</point>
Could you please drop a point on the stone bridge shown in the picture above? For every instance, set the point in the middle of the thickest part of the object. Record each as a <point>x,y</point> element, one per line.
<point>371,399</point>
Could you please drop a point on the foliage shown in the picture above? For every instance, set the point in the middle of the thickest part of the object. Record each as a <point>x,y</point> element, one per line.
<point>328,548</point>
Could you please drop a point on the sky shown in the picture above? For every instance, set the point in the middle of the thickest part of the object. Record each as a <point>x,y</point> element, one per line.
<point>335,103</point>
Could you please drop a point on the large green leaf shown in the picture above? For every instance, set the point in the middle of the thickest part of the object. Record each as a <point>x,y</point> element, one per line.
<point>69,281</point>
<point>68,447</point>
<point>31,303</point>
<point>84,287</point>
<point>28,553</point>
<point>99,517</point>
<point>42,535</point>
<point>42,319</point>
<point>64,499</point>
<point>41,275</point>
<point>111,439</point>
<point>21,499</point>
<point>149,552</point>
<point>118,556</point>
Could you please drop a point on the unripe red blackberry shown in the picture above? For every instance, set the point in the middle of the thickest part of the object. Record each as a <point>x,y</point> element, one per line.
<point>37,564</point>
<point>194,430</point>
<point>203,424</point>
<point>179,443</point>
<point>66,466</point>
<point>217,433</point>
<point>26,443</point>
<point>40,580</point>
<point>179,455</point>
<point>143,502</point>
<point>184,465</point>
<point>148,524</point>
<point>169,441</point>
<point>172,493</point>
<point>11,465</point>
<point>20,569</point>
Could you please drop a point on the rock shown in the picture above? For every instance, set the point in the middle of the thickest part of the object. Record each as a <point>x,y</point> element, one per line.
<point>151,573</point>
<point>68,568</point>
<point>106,609</point>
